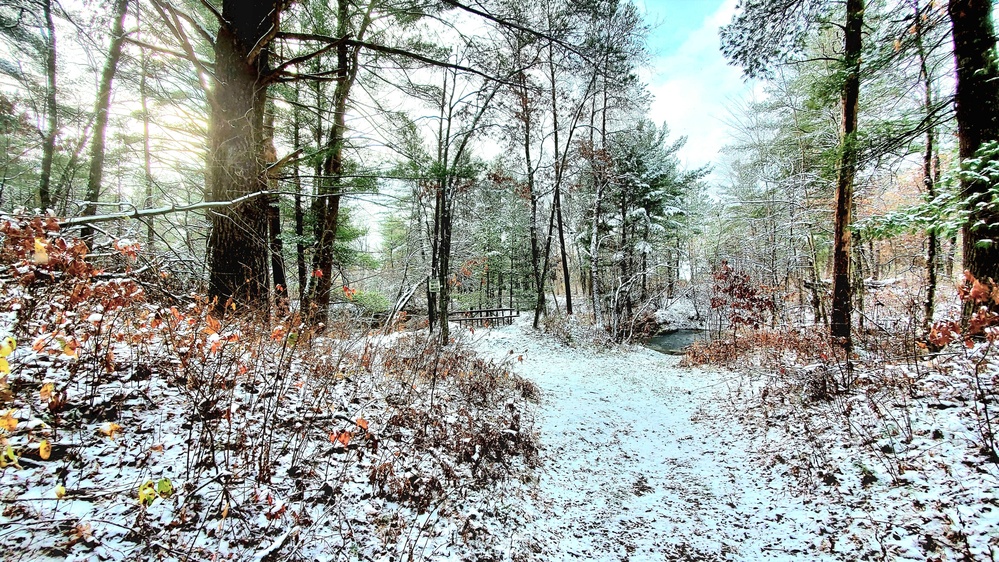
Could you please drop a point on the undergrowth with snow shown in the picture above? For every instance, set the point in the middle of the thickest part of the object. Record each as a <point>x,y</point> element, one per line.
<point>896,449</point>
<point>132,428</point>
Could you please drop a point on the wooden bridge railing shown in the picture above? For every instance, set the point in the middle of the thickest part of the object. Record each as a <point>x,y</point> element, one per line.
<point>484,317</point>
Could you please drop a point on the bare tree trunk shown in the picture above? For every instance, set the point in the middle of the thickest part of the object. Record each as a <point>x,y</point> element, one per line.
<point>523,96</point>
<point>977,109</point>
<point>299,210</point>
<point>317,304</point>
<point>541,307</point>
<point>51,111</point>
<point>147,153</point>
<point>594,260</point>
<point>237,244</point>
<point>444,261</point>
<point>274,243</point>
<point>817,288</point>
<point>434,286</point>
<point>559,165</point>
<point>929,177</point>
<point>840,328</point>
<point>101,118</point>
<point>331,186</point>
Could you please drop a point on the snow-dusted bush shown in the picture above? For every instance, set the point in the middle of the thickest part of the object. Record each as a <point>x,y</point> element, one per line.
<point>134,429</point>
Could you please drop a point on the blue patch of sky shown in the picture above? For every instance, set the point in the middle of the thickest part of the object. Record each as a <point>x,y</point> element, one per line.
<point>672,21</point>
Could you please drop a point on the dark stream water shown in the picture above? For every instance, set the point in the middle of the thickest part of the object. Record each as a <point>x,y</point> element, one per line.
<point>676,341</point>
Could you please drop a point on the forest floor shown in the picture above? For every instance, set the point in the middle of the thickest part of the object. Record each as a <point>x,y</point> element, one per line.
<point>386,448</point>
<point>635,466</point>
<point>642,459</point>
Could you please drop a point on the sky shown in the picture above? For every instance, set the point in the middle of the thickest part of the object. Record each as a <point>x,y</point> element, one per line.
<point>692,85</point>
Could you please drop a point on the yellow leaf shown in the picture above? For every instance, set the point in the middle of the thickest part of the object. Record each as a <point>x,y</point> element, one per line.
<point>9,457</point>
<point>41,254</point>
<point>110,429</point>
<point>147,493</point>
<point>4,366</point>
<point>48,389</point>
<point>60,491</point>
<point>8,422</point>
<point>7,346</point>
<point>45,449</point>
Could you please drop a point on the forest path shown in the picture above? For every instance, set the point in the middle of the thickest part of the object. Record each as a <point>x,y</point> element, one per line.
<point>633,469</point>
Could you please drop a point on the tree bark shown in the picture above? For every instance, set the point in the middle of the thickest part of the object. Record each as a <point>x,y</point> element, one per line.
<point>594,251</point>
<point>841,307</point>
<point>101,110</point>
<point>977,110</point>
<point>929,174</point>
<point>274,242</point>
<point>147,153</point>
<point>524,102</point>
<point>51,111</point>
<point>299,210</point>
<point>559,170</point>
<point>237,243</point>
<point>331,186</point>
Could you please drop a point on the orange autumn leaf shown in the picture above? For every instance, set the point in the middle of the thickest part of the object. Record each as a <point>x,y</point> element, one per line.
<point>980,292</point>
<point>342,437</point>
<point>8,422</point>
<point>362,423</point>
<point>213,325</point>
<point>48,389</point>
<point>278,333</point>
<point>110,429</point>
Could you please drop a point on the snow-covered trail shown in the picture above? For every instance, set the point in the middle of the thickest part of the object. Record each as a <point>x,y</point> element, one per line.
<point>634,470</point>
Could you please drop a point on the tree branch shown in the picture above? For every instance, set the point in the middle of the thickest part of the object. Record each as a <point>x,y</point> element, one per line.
<point>390,51</point>
<point>513,25</point>
<point>139,214</point>
<point>165,51</point>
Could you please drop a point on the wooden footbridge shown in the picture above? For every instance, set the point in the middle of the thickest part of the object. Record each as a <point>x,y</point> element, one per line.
<point>484,317</point>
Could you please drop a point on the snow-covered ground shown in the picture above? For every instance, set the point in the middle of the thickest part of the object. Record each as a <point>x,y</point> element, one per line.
<point>637,465</point>
<point>642,459</point>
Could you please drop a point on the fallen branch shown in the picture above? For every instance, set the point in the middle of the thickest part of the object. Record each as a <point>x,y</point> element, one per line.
<point>156,211</point>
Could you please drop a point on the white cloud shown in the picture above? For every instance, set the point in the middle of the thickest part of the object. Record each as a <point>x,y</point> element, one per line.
<point>693,88</point>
